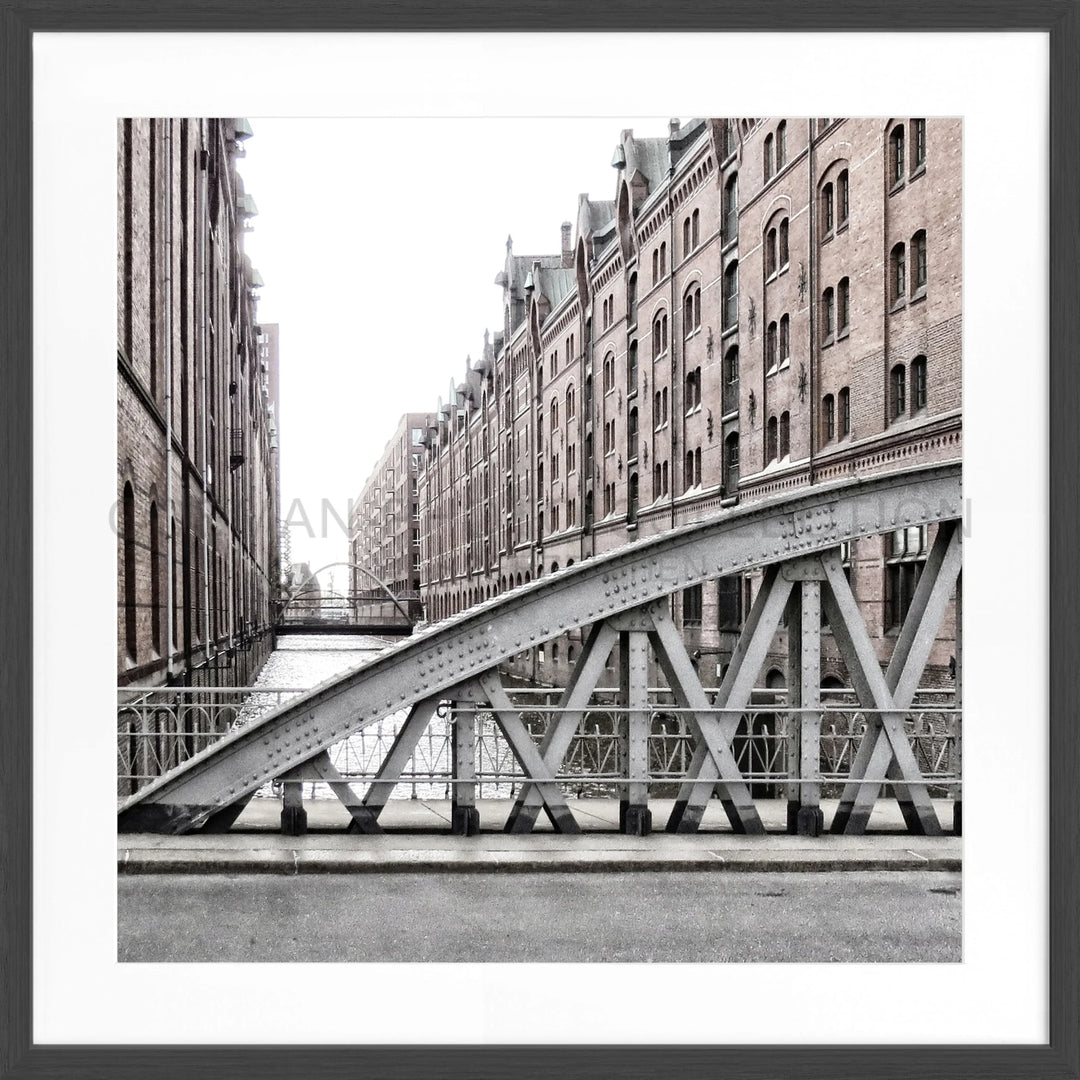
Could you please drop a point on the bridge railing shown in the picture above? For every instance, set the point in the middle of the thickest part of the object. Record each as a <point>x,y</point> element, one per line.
<point>161,728</point>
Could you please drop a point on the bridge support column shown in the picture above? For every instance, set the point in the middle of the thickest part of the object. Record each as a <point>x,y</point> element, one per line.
<point>293,814</point>
<point>464,817</point>
<point>635,817</point>
<point>804,815</point>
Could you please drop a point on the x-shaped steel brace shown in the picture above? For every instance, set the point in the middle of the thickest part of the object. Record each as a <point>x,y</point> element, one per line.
<point>885,753</point>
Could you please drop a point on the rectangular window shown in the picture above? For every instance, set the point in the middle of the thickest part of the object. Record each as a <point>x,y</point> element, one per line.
<point>729,603</point>
<point>918,144</point>
<point>691,604</point>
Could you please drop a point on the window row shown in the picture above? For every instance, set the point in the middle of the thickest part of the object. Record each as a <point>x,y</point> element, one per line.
<point>659,262</point>
<point>608,312</point>
<point>902,260</point>
<point>774,152</point>
<point>778,437</point>
<point>691,233</point>
<point>907,156</point>
<point>835,204</point>
<point>836,415</point>
<point>776,249</point>
<point>835,311</point>
<point>660,408</point>
<point>777,344</point>
<point>692,468</point>
<point>693,390</point>
<point>905,400</point>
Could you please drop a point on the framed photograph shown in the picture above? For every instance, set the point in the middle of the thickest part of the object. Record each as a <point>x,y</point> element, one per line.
<point>1007,80</point>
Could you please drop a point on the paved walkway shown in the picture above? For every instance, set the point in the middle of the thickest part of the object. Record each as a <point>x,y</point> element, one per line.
<point>418,839</point>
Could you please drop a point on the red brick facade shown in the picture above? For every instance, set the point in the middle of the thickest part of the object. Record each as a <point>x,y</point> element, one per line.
<point>197,489</point>
<point>741,320</point>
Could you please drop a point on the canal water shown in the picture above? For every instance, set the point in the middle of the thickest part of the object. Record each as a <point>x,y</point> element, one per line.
<point>302,661</point>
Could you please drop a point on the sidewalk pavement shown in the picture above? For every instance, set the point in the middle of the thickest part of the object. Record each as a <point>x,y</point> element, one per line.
<point>417,839</point>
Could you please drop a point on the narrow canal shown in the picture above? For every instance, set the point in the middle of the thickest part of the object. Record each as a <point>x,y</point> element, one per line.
<point>303,661</point>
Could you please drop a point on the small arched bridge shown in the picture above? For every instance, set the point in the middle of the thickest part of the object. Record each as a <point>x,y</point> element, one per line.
<point>623,598</point>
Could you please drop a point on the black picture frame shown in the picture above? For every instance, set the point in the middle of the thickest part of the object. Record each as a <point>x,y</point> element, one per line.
<point>20,1057</point>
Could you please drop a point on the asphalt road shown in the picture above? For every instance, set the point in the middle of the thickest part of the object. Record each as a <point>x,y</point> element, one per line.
<point>646,916</point>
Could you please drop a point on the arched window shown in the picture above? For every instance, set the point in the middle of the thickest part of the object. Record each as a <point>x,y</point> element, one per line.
<point>731,208</point>
<point>631,299</point>
<point>897,386</point>
<point>770,439</point>
<point>918,384</point>
<point>570,404</point>
<point>844,401</point>
<point>842,305</point>
<point>770,346</point>
<point>664,478</point>
<point>554,416</point>
<point>631,368</point>
<point>692,310</point>
<point>785,435</point>
<point>782,254</point>
<point>731,295</point>
<point>828,418</point>
<point>918,263</point>
<point>695,229</point>
<point>663,258</point>
<point>130,628</point>
<point>843,199</point>
<point>155,579</point>
<point>660,335</point>
<point>688,470</point>
<point>632,499</point>
<point>828,316</point>
<point>731,463</point>
<point>632,435</point>
<point>770,253</point>
<point>767,159</point>
<point>731,380</point>
<point>781,145</point>
<point>898,274</point>
<point>896,155</point>
<point>686,237</point>
<point>655,265</point>
<point>827,210</point>
<point>785,339</point>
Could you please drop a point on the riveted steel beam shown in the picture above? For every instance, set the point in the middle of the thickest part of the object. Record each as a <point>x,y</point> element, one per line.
<point>886,751</point>
<point>446,654</point>
<point>635,817</point>
<point>734,693</point>
<point>321,769</point>
<point>560,732</point>
<point>525,750</point>
<point>713,736</point>
<point>927,609</point>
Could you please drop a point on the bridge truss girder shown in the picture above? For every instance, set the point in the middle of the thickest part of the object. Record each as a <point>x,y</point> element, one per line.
<point>616,595</point>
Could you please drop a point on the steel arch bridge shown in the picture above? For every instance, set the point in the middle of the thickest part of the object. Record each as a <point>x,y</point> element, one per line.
<point>622,597</point>
<point>307,589</point>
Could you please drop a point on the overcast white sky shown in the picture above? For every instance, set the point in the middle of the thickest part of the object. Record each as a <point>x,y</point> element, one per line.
<point>379,241</point>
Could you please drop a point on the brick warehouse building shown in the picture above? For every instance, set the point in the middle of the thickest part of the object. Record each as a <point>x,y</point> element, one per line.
<point>197,470</point>
<point>384,522</point>
<point>765,304</point>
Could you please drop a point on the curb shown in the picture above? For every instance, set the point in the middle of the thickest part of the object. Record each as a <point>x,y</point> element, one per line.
<point>296,861</point>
